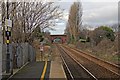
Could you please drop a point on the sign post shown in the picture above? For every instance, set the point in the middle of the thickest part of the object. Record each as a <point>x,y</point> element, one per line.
<point>8,34</point>
<point>7,42</point>
<point>8,24</point>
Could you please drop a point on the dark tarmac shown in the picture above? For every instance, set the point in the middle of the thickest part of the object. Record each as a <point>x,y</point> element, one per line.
<point>33,71</point>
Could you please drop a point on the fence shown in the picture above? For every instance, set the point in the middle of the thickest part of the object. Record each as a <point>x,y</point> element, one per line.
<point>19,55</point>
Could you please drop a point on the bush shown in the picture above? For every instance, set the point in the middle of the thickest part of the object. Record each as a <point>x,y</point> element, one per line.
<point>102,32</point>
<point>109,32</point>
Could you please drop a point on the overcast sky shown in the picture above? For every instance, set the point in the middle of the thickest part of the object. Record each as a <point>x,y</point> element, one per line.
<point>95,13</point>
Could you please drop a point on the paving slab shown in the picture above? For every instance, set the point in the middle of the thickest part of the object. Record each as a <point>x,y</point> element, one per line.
<point>57,70</point>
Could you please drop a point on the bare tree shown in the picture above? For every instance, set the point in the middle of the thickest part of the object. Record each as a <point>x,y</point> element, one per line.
<point>27,16</point>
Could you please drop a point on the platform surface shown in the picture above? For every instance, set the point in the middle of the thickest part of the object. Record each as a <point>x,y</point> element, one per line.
<point>33,71</point>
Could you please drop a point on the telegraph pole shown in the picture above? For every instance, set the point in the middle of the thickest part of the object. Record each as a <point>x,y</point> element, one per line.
<point>7,42</point>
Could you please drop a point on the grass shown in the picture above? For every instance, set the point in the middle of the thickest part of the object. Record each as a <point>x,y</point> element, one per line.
<point>105,56</point>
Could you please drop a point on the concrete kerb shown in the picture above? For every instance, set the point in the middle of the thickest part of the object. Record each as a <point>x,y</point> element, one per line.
<point>17,70</point>
<point>63,71</point>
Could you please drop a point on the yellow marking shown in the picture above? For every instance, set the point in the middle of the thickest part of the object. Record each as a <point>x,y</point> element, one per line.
<point>9,29</point>
<point>44,70</point>
<point>8,41</point>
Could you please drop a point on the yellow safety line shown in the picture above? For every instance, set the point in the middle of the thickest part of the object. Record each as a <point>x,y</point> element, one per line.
<point>44,70</point>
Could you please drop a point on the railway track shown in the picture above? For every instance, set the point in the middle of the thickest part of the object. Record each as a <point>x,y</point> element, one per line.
<point>98,68</point>
<point>74,70</point>
<point>110,66</point>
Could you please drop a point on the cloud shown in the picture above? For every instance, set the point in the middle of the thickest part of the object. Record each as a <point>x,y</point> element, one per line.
<point>65,16</point>
<point>95,13</point>
<point>61,24</point>
<point>65,6</point>
<point>81,0</point>
<point>59,29</point>
<point>100,0</point>
<point>102,13</point>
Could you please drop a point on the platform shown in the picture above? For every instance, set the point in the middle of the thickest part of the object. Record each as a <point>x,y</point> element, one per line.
<point>33,71</point>
<point>48,68</point>
<point>56,70</point>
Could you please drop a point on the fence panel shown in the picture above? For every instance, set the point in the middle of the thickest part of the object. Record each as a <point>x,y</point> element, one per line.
<point>19,56</point>
<point>11,56</point>
<point>25,52</point>
<point>3,57</point>
<point>32,54</point>
<point>22,52</point>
